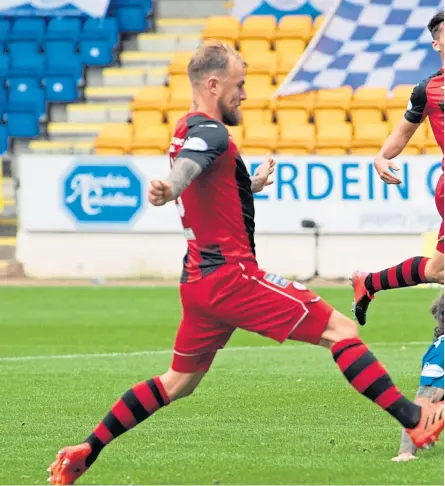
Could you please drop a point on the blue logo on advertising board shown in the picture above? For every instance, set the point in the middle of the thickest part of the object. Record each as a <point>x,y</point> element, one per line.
<point>103,193</point>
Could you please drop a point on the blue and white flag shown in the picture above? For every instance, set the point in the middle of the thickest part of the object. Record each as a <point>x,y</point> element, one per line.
<point>378,43</point>
<point>94,8</point>
<point>280,8</point>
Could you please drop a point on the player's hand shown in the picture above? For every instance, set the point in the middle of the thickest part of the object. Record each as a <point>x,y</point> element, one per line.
<point>264,171</point>
<point>159,193</point>
<point>404,457</point>
<point>383,166</point>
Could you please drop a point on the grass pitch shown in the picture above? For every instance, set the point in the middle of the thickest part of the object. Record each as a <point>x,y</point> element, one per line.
<point>265,414</point>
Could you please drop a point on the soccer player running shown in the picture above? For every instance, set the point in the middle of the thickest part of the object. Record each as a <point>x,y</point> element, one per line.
<point>431,380</point>
<point>222,287</point>
<point>426,100</point>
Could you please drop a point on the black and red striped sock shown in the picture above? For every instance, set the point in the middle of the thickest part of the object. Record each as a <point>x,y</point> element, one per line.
<point>406,274</point>
<point>137,404</point>
<point>368,376</point>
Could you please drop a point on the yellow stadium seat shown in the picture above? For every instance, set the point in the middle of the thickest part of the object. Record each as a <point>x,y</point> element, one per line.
<point>181,98</point>
<point>394,115</point>
<point>151,140</point>
<point>294,27</point>
<point>298,139</point>
<point>286,46</point>
<point>259,97</point>
<point>143,118</point>
<point>411,151</point>
<point>365,115</point>
<point>114,139</point>
<point>261,63</point>
<point>237,134</point>
<point>399,97</point>
<point>432,150</point>
<point>256,117</point>
<point>291,117</point>
<point>318,22</point>
<point>253,46</point>
<point>333,139</point>
<point>151,98</point>
<point>329,116</point>
<point>221,28</point>
<point>369,138</point>
<point>178,81</point>
<point>173,117</point>
<point>180,62</point>
<point>287,61</point>
<point>365,97</point>
<point>255,82</point>
<point>431,147</point>
<point>302,100</point>
<point>333,98</point>
<point>417,141</point>
<point>259,27</point>
<point>260,139</point>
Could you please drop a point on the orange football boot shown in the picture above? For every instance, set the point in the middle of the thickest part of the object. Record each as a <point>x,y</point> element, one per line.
<point>362,298</point>
<point>429,427</point>
<point>69,464</point>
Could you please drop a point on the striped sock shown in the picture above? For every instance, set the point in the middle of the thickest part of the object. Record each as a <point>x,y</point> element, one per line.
<point>137,404</point>
<point>406,274</point>
<point>370,378</point>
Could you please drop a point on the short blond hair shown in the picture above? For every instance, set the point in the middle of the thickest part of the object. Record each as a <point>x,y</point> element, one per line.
<point>212,57</point>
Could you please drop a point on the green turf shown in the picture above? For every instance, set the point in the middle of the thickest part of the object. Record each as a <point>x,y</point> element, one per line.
<point>280,415</point>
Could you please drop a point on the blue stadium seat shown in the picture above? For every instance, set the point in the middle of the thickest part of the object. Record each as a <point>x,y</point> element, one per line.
<point>59,48</point>
<point>5,27</point>
<point>29,99</point>
<point>131,15</point>
<point>3,139</point>
<point>106,28</point>
<point>64,29</point>
<point>23,124</point>
<point>4,67</point>
<point>22,48</point>
<point>60,89</point>
<point>96,52</point>
<point>31,66</point>
<point>28,28</point>
<point>14,83</point>
<point>3,100</point>
<point>67,66</point>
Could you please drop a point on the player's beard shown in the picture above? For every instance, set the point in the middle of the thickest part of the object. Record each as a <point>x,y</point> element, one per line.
<point>232,118</point>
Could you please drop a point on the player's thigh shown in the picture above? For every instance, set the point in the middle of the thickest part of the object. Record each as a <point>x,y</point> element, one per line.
<point>199,336</point>
<point>274,307</point>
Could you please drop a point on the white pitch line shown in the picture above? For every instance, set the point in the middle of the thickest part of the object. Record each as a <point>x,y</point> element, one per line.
<point>155,352</point>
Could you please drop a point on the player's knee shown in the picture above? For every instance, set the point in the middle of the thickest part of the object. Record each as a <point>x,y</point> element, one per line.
<point>434,269</point>
<point>339,328</point>
<point>180,385</point>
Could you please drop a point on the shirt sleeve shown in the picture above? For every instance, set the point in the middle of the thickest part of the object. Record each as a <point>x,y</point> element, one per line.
<point>205,142</point>
<point>416,109</point>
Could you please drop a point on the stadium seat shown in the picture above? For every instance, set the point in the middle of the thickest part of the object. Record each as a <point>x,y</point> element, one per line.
<point>55,48</point>
<point>394,115</point>
<point>173,116</point>
<point>222,28</point>
<point>23,124</point>
<point>4,67</point>
<point>151,140</point>
<point>261,63</point>
<point>64,28</point>
<point>318,22</point>
<point>399,96</point>
<point>180,99</point>
<point>3,100</point>
<point>417,141</point>
<point>255,82</point>
<point>141,118</point>
<point>32,28</point>
<point>114,140</point>
<point>333,98</point>
<point>5,27</point>
<point>365,97</point>
<point>62,76</point>
<point>431,146</point>
<point>253,46</point>
<point>298,139</point>
<point>291,117</point>
<point>23,48</point>
<point>101,28</point>
<point>97,40</point>
<point>294,27</point>
<point>179,63</point>
<point>60,89</point>
<point>259,139</point>
<point>365,115</point>
<point>259,27</point>
<point>237,134</point>
<point>177,81</point>
<point>286,62</point>
<point>151,98</point>
<point>302,100</point>
<point>26,97</point>
<point>333,139</point>
<point>32,66</point>
<point>258,98</point>
<point>289,46</point>
<point>329,116</point>
<point>3,139</point>
<point>432,150</point>
<point>131,15</point>
<point>254,117</point>
<point>369,138</point>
